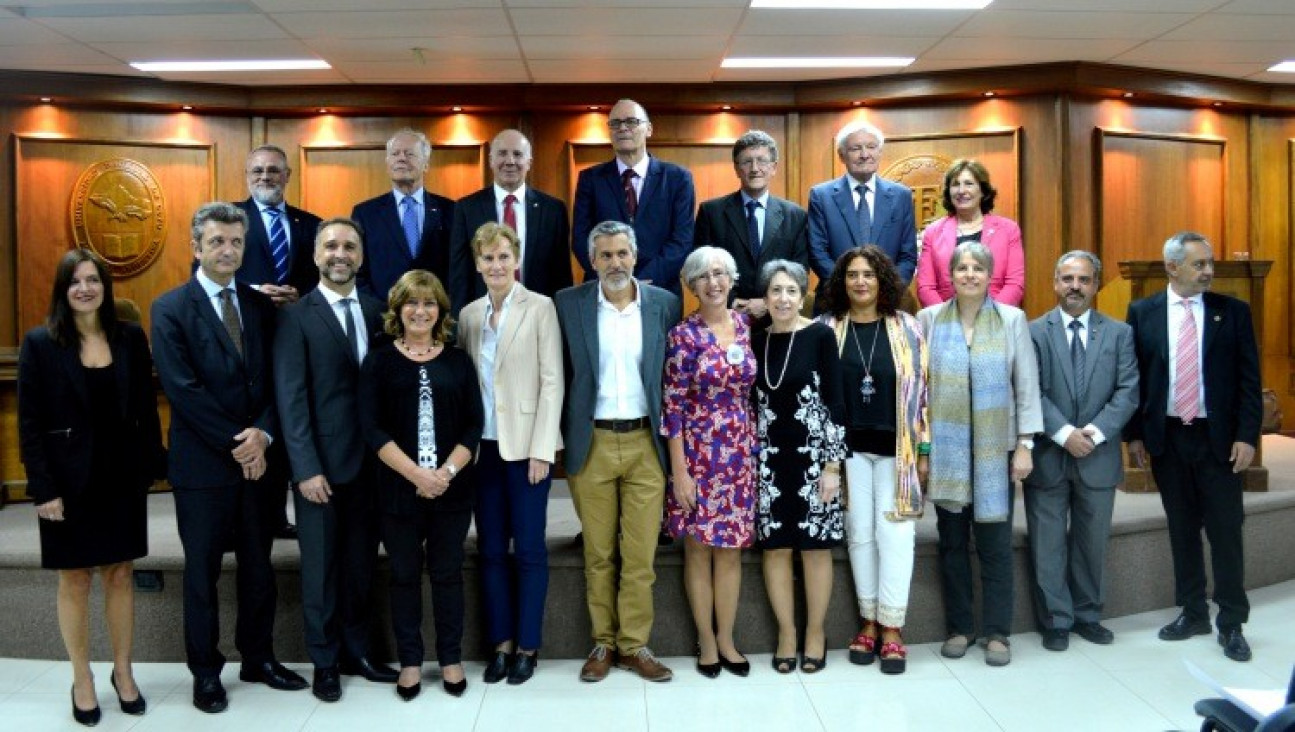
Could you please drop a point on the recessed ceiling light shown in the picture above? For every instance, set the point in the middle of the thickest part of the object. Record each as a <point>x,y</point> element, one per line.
<point>47,100</point>
<point>726,107</point>
<point>594,107</point>
<point>1128,95</point>
<point>456,109</point>
<point>870,4</point>
<point>856,104</point>
<point>299,64</point>
<point>1285,67</point>
<point>819,62</point>
<point>989,94</point>
<point>187,107</point>
<point>322,110</point>
<point>1218,104</point>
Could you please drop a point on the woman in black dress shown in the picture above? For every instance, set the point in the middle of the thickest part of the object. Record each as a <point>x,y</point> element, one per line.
<point>420,407</point>
<point>92,445</point>
<point>799,411</point>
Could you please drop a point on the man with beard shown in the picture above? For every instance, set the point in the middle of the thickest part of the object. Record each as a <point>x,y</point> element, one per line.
<point>318,348</point>
<point>614,340</point>
<point>277,254</point>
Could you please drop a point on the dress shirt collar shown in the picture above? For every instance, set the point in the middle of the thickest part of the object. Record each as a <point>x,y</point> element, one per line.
<point>869,185</point>
<point>282,208</point>
<point>1175,298</point>
<point>210,287</point>
<point>1083,318</point>
<point>641,167</point>
<point>762,200</point>
<point>638,295</point>
<point>417,195</point>
<point>501,193</point>
<point>490,304</point>
<point>332,298</point>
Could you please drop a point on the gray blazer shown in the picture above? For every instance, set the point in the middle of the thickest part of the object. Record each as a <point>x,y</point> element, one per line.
<point>578,318</point>
<point>1110,398</point>
<point>1026,416</point>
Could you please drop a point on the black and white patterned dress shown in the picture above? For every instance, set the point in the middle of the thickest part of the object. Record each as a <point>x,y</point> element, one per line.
<point>800,429</point>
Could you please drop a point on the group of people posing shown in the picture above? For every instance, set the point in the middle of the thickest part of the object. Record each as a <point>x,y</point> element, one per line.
<point>746,424</point>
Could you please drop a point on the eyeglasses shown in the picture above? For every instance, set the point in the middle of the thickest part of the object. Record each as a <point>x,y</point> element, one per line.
<point>258,172</point>
<point>761,163</point>
<point>717,275</point>
<point>629,123</point>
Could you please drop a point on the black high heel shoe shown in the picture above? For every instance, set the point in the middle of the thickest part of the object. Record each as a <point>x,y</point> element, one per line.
<point>409,693</point>
<point>135,707</point>
<point>740,668</point>
<point>455,688</point>
<point>87,717</point>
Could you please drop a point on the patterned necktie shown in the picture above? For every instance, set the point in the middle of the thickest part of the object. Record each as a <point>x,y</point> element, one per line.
<point>352,335</point>
<point>753,229</point>
<point>1187,366</point>
<point>510,220</point>
<point>631,197</point>
<point>1077,354</point>
<point>229,316</point>
<point>409,222</point>
<point>278,245</point>
<point>865,216</point>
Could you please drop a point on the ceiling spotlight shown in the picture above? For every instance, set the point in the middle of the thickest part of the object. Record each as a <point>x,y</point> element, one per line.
<point>456,108</point>
<point>989,94</point>
<point>594,107</point>
<point>1218,104</point>
<point>187,107</point>
<point>47,100</point>
<point>1128,95</point>
<point>322,110</point>
<point>726,107</point>
<point>856,103</point>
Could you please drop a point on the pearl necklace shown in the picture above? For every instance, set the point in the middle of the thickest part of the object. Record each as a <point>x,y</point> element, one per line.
<point>787,357</point>
<point>416,354</point>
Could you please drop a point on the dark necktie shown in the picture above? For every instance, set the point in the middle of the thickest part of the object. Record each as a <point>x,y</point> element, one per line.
<point>229,316</point>
<point>278,245</point>
<point>631,198</point>
<point>409,222</point>
<point>865,216</point>
<point>352,335</point>
<point>1077,356</point>
<point>510,220</point>
<point>753,229</point>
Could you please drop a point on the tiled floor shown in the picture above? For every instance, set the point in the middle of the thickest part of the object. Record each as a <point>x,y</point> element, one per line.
<point>1138,684</point>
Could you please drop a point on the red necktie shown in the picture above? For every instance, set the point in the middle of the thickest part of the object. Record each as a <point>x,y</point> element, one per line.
<point>510,220</point>
<point>1187,385</point>
<point>631,198</point>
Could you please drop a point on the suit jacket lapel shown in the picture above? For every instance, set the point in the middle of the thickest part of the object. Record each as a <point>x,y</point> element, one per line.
<point>1061,347</point>
<point>70,358</point>
<point>882,201</point>
<point>653,341</point>
<point>613,181</point>
<point>256,230</point>
<point>207,314</point>
<point>320,308</point>
<point>517,313</point>
<point>534,225</point>
<point>390,218</point>
<point>735,214</point>
<point>845,202</point>
<point>1096,339</point>
<point>589,323</point>
<point>651,183</point>
<point>1213,322</point>
<point>252,325</point>
<point>772,222</point>
<point>432,218</point>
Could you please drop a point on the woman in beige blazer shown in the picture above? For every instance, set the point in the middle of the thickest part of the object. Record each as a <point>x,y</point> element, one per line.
<point>513,337</point>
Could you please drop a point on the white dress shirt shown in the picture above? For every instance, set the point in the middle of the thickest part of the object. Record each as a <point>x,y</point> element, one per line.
<point>869,188</point>
<point>1063,434</point>
<point>335,302</point>
<point>641,167</point>
<point>620,354</point>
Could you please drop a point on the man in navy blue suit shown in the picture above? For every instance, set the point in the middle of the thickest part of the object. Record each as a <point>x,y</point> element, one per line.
<point>277,256</point>
<point>408,227</point>
<point>861,208</point>
<point>654,197</point>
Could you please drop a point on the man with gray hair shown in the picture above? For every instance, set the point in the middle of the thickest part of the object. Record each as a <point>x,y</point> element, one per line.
<point>752,224</point>
<point>1088,383</point>
<point>861,208</point>
<point>278,254</point>
<point>407,228</point>
<point>614,341</point>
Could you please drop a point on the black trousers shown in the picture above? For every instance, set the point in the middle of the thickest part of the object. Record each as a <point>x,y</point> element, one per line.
<point>339,546</point>
<point>441,535</point>
<point>1199,491</point>
<point>994,550</point>
<point>209,519</point>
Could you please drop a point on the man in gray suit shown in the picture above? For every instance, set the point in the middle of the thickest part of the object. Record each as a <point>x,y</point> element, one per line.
<point>1088,379</point>
<point>614,340</point>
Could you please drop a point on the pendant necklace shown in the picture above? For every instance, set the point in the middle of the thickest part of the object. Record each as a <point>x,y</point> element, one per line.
<point>865,387</point>
<point>417,354</point>
<point>772,386</point>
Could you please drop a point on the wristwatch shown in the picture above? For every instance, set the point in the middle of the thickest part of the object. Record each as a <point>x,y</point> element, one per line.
<point>1027,444</point>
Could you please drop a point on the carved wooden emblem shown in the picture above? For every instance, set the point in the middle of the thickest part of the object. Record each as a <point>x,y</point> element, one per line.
<point>924,174</point>
<point>119,212</point>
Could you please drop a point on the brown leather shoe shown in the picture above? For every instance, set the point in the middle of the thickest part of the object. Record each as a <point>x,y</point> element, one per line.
<point>599,664</point>
<point>645,665</point>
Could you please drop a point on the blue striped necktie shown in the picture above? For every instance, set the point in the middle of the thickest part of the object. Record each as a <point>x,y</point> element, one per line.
<point>278,245</point>
<point>409,222</point>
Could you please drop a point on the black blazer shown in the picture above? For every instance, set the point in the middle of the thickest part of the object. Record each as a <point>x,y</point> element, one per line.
<point>214,393</point>
<point>54,428</point>
<point>258,264</point>
<point>316,385</point>
<point>546,263</point>
<point>1230,369</point>
<point>386,256</point>
<point>721,222</point>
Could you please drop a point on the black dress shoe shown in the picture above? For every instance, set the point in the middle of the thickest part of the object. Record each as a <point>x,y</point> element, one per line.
<point>274,675</point>
<point>287,531</point>
<point>709,670</point>
<point>327,685</point>
<point>375,672</point>
<point>740,668</point>
<point>1094,633</point>
<point>87,717</point>
<point>455,688</point>
<point>1056,639</point>
<point>523,668</point>
<point>1185,627</point>
<point>1234,644</point>
<point>408,693</point>
<point>498,668</point>
<point>209,695</point>
<point>135,707</point>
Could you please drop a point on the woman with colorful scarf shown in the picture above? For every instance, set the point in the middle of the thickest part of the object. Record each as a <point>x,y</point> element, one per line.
<point>883,367</point>
<point>985,411</point>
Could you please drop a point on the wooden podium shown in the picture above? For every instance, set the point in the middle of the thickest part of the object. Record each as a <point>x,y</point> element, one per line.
<point>1242,279</point>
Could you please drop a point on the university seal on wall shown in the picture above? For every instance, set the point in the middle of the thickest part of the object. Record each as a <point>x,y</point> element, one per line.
<point>118,211</point>
<point>925,175</point>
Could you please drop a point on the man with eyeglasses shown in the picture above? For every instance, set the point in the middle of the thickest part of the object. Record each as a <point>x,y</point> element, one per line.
<point>278,254</point>
<point>656,198</point>
<point>752,224</point>
<point>860,208</point>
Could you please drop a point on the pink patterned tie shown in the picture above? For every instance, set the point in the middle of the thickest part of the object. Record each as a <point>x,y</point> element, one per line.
<point>1187,386</point>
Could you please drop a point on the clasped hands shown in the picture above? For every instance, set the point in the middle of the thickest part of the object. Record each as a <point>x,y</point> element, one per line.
<point>429,483</point>
<point>250,452</point>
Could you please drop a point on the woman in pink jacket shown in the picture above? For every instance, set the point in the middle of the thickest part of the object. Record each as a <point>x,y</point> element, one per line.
<point>969,198</point>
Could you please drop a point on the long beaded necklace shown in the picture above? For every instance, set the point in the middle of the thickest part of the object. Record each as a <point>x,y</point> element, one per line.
<point>865,387</point>
<point>787,357</point>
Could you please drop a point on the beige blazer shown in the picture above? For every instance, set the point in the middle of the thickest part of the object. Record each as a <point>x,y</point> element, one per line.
<point>528,377</point>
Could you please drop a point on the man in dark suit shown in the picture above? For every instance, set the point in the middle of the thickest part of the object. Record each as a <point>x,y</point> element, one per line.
<point>752,224</point>
<point>408,228</point>
<point>614,339</point>
<point>1198,418</point>
<point>318,347</point>
<point>861,208</point>
<point>539,219</point>
<point>1088,383</point>
<point>279,247</point>
<point>212,340</point>
<point>654,197</point>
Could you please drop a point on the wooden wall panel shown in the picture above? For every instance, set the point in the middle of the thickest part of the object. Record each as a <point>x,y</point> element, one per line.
<point>997,150</point>
<point>334,178</point>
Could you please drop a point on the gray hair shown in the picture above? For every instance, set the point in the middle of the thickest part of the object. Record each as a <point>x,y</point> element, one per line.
<point>613,228</point>
<point>424,144</point>
<point>794,270</point>
<point>271,149</point>
<point>1084,255</point>
<point>697,263</point>
<point>218,211</point>
<point>526,142</point>
<point>755,138</point>
<point>978,252</point>
<point>1176,245</point>
<point>856,127</point>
